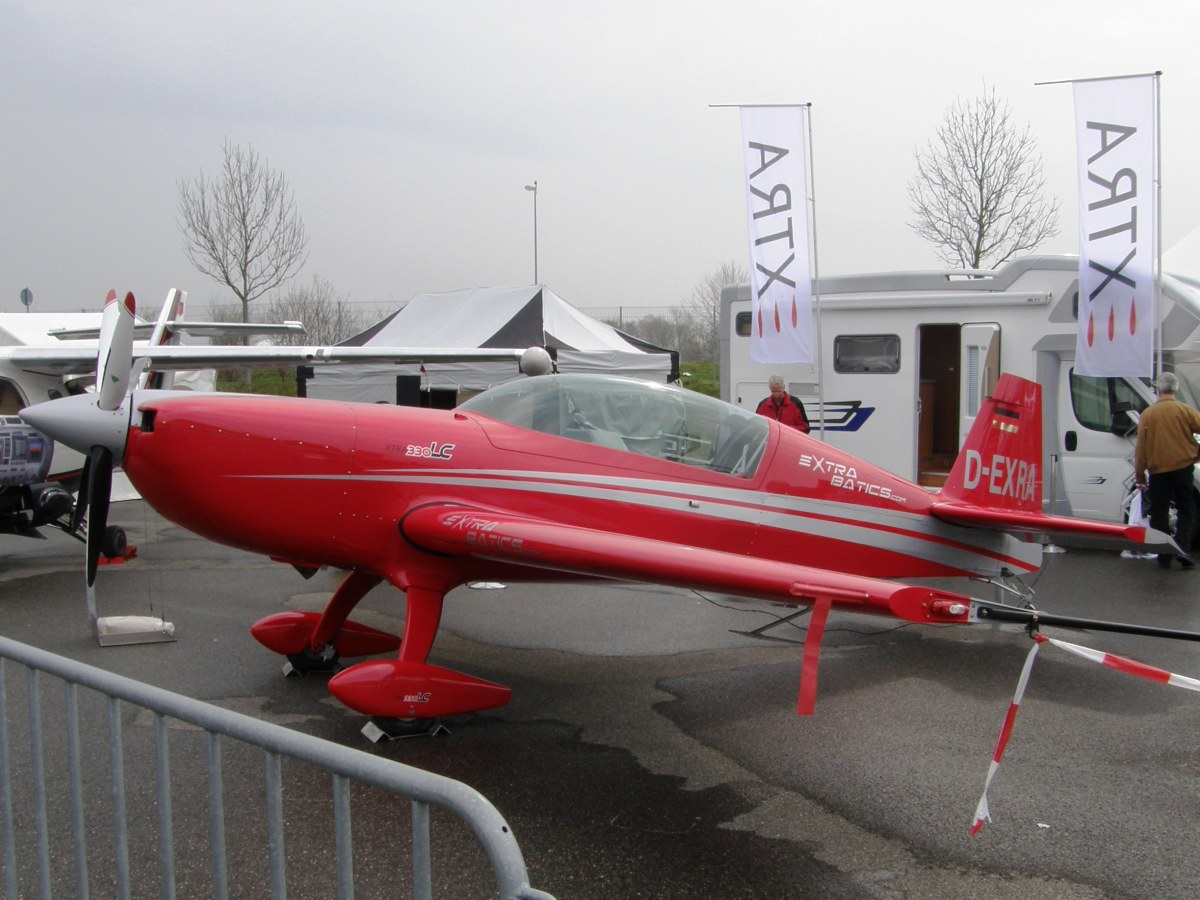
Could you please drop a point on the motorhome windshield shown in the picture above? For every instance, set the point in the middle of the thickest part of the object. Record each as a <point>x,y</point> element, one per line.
<point>636,416</point>
<point>1186,394</point>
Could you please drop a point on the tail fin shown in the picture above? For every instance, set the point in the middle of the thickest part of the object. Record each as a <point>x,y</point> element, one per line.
<point>162,334</point>
<point>999,466</point>
<point>996,481</point>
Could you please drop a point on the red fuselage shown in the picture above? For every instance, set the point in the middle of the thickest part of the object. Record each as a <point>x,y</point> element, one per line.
<point>270,488</point>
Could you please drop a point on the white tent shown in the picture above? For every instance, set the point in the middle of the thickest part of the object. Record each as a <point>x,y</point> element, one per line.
<point>515,317</point>
<point>1183,257</point>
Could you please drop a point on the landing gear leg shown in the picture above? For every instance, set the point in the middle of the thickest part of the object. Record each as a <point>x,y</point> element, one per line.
<point>422,617</point>
<point>345,598</point>
<point>321,654</point>
<point>406,690</point>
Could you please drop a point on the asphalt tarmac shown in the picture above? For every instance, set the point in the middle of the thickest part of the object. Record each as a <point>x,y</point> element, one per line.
<point>652,750</point>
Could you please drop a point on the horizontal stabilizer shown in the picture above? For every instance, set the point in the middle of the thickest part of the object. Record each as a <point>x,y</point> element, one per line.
<point>1035,526</point>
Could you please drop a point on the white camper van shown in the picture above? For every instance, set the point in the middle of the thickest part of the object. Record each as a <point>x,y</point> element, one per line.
<point>905,359</point>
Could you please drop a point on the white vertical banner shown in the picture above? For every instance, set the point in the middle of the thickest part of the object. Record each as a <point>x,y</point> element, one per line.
<point>773,151</point>
<point>1118,225</point>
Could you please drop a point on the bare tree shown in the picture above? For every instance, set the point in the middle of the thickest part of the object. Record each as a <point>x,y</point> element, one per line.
<point>328,318</point>
<point>704,307</point>
<point>663,331</point>
<point>242,229</point>
<point>978,194</point>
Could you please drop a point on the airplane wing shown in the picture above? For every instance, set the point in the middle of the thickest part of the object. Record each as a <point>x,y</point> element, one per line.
<point>82,360</point>
<point>144,330</point>
<point>457,530</point>
<point>1035,526</point>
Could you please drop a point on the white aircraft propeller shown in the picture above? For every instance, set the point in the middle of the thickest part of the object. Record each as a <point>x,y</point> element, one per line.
<point>115,356</point>
<point>114,362</point>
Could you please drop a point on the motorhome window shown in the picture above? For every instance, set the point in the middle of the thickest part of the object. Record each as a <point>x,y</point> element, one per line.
<point>635,416</point>
<point>1096,399</point>
<point>1185,394</point>
<point>741,324</point>
<point>974,374</point>
<point>878,354</point>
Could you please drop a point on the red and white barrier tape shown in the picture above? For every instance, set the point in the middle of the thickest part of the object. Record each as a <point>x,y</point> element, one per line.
<point>1128,666</point>
<point>981,811</point>
<point>1119,663</point>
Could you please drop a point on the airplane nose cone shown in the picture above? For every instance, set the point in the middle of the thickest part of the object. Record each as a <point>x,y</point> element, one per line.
<point>77,422</point>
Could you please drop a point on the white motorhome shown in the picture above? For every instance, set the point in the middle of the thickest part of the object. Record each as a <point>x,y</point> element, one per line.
<point>905,358</point>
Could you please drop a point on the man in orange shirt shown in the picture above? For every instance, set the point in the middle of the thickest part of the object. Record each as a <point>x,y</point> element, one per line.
<point>1167,449</point>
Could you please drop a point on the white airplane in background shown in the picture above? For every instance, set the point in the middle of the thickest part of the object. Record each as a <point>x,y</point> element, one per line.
<point>45,356</point>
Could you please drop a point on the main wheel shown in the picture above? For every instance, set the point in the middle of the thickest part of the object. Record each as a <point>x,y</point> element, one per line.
<point>115,542</point>
<point>307,661</point>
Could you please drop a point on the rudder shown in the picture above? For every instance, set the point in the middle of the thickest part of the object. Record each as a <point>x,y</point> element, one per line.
<point>999,465</point>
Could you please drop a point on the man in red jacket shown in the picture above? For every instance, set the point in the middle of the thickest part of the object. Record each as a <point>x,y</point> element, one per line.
<point>782,406</point>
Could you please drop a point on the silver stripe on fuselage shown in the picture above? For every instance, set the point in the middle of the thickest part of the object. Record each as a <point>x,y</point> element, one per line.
<point>979,551</point>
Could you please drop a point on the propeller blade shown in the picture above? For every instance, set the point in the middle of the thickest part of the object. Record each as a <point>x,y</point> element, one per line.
<point>81,496</point>
<point>115,352</point>
<point>100,464</point>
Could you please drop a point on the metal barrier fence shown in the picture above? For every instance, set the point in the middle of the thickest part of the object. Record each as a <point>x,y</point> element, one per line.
<point>32,831</point>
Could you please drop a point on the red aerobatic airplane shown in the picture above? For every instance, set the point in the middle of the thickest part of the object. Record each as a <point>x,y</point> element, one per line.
<point>559,476</point>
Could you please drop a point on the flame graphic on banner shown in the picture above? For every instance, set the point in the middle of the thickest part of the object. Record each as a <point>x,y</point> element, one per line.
<point>795,312</point>
<point>760,321</point>
<point>1133,318</point>
<point>1112,323</point>
<point>778,326</point>
<point>1091,329</point>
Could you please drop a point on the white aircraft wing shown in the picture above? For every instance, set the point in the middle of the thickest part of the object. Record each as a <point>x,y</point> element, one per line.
<point>143,330</point>
<point>82,360</point>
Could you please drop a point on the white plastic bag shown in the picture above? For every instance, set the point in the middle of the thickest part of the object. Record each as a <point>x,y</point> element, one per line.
<point>1137,512</point>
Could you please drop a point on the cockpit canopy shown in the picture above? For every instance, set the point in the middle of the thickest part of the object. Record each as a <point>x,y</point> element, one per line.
<point>635,416</point>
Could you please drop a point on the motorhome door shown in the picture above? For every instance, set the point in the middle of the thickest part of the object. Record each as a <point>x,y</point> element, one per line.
<point>958,364</point>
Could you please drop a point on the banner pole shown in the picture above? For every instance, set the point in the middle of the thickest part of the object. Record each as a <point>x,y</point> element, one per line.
<point>1097,78</point>
<point>1158,217</point>
<point>816,277</point>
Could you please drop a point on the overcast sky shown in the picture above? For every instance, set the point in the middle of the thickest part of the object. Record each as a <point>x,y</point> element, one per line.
<point>408,131</point>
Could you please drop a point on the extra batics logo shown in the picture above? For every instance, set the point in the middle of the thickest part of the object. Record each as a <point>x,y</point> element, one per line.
<point>486,534</point>
<point>844,477</point>
<point>433,451</point>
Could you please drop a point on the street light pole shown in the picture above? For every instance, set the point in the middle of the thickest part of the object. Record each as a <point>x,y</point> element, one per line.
<point>533,187</point>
